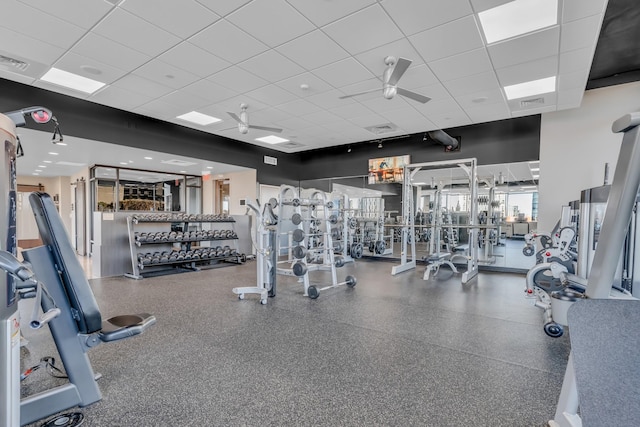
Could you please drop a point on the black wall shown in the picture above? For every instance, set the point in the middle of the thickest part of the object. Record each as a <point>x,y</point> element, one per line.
<point>505,141</point>
<point>88,120</point>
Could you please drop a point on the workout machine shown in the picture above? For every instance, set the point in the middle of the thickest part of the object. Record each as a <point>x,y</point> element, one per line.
<point>266,252</point>
<point>615,225</point>
<point>438,258</point>
<point>69,307</point>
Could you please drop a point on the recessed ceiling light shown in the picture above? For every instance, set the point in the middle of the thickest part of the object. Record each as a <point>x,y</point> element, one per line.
<point>183,171</point>
<point>536,176</point>
<point>535,169</point>
<point>198,118</point>
<point>517,17</point>
<point>52,153</point>
<point>71,81</point>
<point>209,167</point>
<point>42,166</point>
<point>35,173</point>
<point>534,87</point>
<point>148,158</point>
<point>47,161</point>
<point>272,139</point>
<point>124,163</point>
<point>38,170</point>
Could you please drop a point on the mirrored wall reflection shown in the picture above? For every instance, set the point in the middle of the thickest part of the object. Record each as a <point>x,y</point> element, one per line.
<point>508,197</point>
<point>119,189</point>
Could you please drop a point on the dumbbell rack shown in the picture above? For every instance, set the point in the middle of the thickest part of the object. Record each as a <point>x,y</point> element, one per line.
<point>371,229</point>
<point>346,224</point>
<point>154,231</point>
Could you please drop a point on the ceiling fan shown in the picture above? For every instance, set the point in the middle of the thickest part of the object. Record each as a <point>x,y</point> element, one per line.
<point>243,121</point>
<point>393,73</point>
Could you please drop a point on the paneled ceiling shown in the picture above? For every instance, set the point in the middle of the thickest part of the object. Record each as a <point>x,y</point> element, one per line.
<point>292,60</point>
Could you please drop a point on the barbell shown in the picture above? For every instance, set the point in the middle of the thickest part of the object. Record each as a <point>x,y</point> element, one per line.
<point>314,292</point>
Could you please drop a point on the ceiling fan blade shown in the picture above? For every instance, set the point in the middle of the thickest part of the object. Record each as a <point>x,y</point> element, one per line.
<point>358,94</point>
<point>265,128</point>
<point>412,95</point>
<point>399,70</point>
<point>235,117</point>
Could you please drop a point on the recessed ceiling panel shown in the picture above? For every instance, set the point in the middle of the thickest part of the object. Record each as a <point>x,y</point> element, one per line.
<point>83,13</point>
<point>418,15</point>
<point>109,52</point>
<point>165,74</point>
<point>343,73</point>
<point>238,79</point>
<point>581,33</point>
<point>448,39</point>
<point>462,65</point>
<point>196,60</point>
<point>271,66</point>
<point>313,50</point>
<point>228,42</point>
<point>271,95</point>
<point>274,22</point>
<point>182,18</point>
<point>304,85</point>
<point>526,48</point>
<point>223,7</point>
<point>528,71</point>
<point>322,13</point>
<point>470,84</point>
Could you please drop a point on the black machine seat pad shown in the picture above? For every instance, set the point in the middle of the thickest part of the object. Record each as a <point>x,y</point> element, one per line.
<point>76,285</point>
<point>125,326</point>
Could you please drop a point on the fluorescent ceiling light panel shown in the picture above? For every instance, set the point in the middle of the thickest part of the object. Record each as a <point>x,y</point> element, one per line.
<point>534,87</point>
<point>535,169</point>
<point>272,139</point>
<point>199,118</point>
<point>517,17</point>
<point>71,81</point>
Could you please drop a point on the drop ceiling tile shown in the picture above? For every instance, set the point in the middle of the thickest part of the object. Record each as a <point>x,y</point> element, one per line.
<point>487,113</point>
<point>29,48</point>
<point>315,85</point>
<point>233,104</point>
<point>366,89</point>
<point>343,73</point>
<point>237,45</point>
<point>313,50</point>
<point>209,90</point>
<point>526,48</point>
<point>160,109</point>
<point>142,86</point>
<point>462,65</point>
<point>183,18</point>
<point>187,101</point>
<point>223,7</point>
<point>580,33</point>
<point>268,116</point>
<point>482,5</point>
<point>109,52</point>
<point>576,9</point>
<point>293,124</point>
<point>575,80</point>
<point>371,119</point>
<point>528,71</point>
<point>40,25</point>
<point>405,117</point>
<point>59,89</point>
<point>298,107</point>
<point>271,21</point>
<point>417,76</point>
<point>321,13</point>
<point>191,58</point>
<point>576,60</point>
<point>481,98</point>
<point>272,66</point>
<point>117,97</point>
<point>472,84</point>
<point>373,28</point>
<point>438,106</point>
<point>450,119</point>
<point>435,92</point>
<point>423,125</point>
<point>27,80</point>
<point>351,111</point>
<point>321,117</point>
<point>79,64</point>
<point>129,30</point>
<point>83,13</point>
<point>165,74</point>
<point>449,39</point>
<point>271,95</point>
<point>330,99</point>
<point>414,16</point>
<point>237,79</point>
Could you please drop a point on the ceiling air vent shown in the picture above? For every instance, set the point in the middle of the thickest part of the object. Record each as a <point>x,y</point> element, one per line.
<point>13,62</point>
<point>532,102</point>
<point>382,129</point>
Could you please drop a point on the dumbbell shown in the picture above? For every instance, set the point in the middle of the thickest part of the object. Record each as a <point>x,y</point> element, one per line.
<point>338,261</point>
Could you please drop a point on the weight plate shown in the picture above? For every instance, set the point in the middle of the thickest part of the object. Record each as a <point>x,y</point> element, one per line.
<point>380,247</point>
<point>351,281</point>
<point>299,269</point>
<point>298,235</point>
<point>299,252</point>
<point>313,292</point>
<point>296,218</point>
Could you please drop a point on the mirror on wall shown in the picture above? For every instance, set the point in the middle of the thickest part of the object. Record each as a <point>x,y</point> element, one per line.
<point>507,196</point>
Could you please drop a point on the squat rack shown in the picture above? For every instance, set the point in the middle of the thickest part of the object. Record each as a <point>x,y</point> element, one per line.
<point>408,248</point>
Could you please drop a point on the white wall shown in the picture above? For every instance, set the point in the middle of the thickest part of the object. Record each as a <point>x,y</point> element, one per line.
<point>575,145</point>
<point>242,186</point>
<point>54,186</point>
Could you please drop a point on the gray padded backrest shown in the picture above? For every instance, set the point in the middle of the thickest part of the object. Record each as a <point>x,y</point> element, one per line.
<point>73,278</point>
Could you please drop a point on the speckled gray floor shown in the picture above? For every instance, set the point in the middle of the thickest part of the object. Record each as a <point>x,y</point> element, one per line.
<point>394,351</point>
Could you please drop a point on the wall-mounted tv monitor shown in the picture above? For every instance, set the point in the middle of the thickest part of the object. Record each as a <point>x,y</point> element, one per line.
<point>387,169</point>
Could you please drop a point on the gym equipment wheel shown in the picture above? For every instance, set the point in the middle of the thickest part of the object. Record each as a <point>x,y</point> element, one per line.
<point>553,330</point>
<point>313,292</point>
<point>263,301</point>
<point>240,296</point>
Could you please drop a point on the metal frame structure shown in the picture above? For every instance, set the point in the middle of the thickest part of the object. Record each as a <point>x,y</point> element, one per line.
<point>408,249</point>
